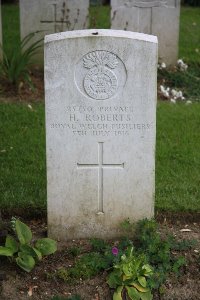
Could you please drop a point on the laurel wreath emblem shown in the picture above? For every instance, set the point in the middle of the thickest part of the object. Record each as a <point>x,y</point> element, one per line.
<point>100,58</point>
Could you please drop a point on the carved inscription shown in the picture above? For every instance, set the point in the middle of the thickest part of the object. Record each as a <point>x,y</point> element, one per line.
<point>102,121</point>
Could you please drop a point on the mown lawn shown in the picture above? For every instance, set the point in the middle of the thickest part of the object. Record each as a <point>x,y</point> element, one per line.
<point>189,44</point>
<point>22,157</point>
<point>178,157</point>
<point>22,131</point>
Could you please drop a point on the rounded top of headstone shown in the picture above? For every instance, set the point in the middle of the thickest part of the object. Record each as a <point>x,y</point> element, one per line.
<point>100,33</point>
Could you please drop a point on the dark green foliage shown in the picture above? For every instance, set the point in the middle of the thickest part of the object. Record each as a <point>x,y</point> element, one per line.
<point>188,81</point>
<point>191,2</point>
<point>75,297</point>
<point>9,1</point>
<point>182,245</point>
<point>15,65</point>
<point>88,265</point>
<point>85,267</point>
<point>158,251</point>
<point>98,245</point>
<point>124,243</point>
<point>181,261</point>
<point>74,251</point>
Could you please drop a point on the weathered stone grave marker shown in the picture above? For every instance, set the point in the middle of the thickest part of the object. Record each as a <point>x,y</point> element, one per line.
<point>100,93</point>
<point>157,17</point>
<point>50,16</point>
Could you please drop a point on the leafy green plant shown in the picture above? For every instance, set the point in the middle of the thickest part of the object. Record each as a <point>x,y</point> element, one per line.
<point>87,266</point>
<point>90,264</point>
<point>21,250</point>
<point>158,251</point>
<point>183,245</point>
<point>181,261</point>
<point>14,66</point>
<point>74,251</point>
<point>130,277</point>
<point>98,245</point>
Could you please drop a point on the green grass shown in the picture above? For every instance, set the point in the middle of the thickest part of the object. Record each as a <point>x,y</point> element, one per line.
<point>100,17</point>
<point>189,45</point>
<point>178,157</point>
<point>22,156</point>
<point>10,26</point>
<point>22,173</point>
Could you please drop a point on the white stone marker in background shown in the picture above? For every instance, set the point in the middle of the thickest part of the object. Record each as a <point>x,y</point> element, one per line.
<point>157,17</point>
<point>100,93</point>
<point>50,16</point>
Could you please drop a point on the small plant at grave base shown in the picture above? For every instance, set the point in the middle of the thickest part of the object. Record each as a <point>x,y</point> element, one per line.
<point>14,67</point>
<point>98,245</point>
<point>111,254</point>
<point>74,251</point>
<point>130,277</point>
<point>158,252</point>
<point>85,267</point>
<point>21,250</point>
<point>88,265</point>
<point>183,245</point>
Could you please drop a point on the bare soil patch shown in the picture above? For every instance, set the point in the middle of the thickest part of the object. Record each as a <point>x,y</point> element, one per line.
<point>23,92</point>
<point>16,284</point>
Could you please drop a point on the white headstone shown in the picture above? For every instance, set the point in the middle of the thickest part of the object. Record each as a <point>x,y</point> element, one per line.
<point>157,17</point>
<point>100,93</point>
<point>50,16</point>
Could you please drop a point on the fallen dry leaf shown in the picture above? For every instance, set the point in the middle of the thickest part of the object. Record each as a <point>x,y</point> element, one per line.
<point>30,291</point>
<point>185,230</point>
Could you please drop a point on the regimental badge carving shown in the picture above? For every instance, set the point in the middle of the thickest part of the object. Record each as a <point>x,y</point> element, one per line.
<point>100,75</point>
<point>100,82</point>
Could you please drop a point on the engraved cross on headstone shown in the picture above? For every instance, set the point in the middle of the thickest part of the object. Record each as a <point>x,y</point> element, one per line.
<point>63,20</point>
<point>100,166</point>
